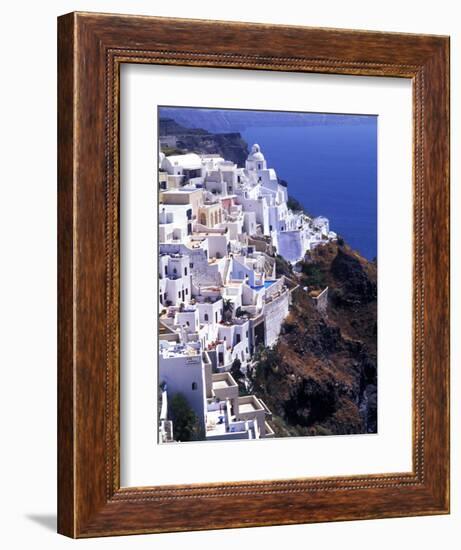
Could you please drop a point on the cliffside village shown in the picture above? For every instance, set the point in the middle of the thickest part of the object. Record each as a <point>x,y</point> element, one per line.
<point>219,297</point>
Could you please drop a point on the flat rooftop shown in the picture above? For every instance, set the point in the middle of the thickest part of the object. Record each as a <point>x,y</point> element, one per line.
<point>249,404</point>
<point>221,384</point>
<point>181,190</point>
<point>247,407</point>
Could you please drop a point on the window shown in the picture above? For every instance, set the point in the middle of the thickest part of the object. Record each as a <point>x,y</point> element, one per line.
<point>216,316</point>
<point>185,271</point>
<point>166,270</point>
<point>238,338</point>
<point>179,294</point>
<point>175,271</point>
<point>187,291</point>
<point>191,265</point>
<point>194,385</point>
<point>247,334</point>
<point>206,317</point>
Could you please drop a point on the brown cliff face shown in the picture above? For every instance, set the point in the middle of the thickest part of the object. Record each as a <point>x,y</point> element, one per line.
<point>320,379</point>
<point>230,146</point>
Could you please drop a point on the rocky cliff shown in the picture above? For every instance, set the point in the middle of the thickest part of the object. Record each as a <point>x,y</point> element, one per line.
<point>321,377</point>
<point>230,145</point>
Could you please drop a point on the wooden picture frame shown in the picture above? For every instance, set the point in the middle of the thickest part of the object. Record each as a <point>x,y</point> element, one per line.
<point>91,49</point>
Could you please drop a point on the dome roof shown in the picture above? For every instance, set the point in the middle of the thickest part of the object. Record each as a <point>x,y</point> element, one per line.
<point>256,153</point>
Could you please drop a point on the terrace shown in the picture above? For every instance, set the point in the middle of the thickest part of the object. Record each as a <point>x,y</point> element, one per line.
<point>224,386</point>
<point>237,321</point>
<point>264,286</point>
<point>173,349</point>
<point>207,299</point>
<point>220,423</point>
<point>249,404</point>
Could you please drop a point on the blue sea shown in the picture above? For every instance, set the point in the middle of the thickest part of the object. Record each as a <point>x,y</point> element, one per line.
<point>328,160</point>
<point>332,171</point>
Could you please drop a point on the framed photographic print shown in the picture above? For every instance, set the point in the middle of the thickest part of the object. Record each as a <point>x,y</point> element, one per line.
<point>253,275</point>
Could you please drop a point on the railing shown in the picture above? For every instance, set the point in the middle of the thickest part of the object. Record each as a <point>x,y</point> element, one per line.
<point>269,431</point>
<point>239,321</point>
<point>276,296</point>
<point>265,407</point>
<point>250,310</point>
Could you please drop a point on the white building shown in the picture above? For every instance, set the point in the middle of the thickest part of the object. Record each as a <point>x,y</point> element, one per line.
<point>221,413</point>
<point>219,296</point>
<point>187,166</point>
<point>174,279</point>
<point>175,222</point>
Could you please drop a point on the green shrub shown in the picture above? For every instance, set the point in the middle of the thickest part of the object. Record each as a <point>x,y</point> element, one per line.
<point>313,275</point>
<point>186,426</point>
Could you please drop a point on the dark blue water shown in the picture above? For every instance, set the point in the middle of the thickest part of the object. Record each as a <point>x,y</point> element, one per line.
<point>332,171</point>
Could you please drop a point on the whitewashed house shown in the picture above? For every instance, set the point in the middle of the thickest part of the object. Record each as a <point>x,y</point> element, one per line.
<point>175,222</point>
<point>174,279</point>
<point>219,296</point>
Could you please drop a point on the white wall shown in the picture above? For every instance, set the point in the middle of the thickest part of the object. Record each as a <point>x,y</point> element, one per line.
<point>180,374</point>
<point>28,280</point>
